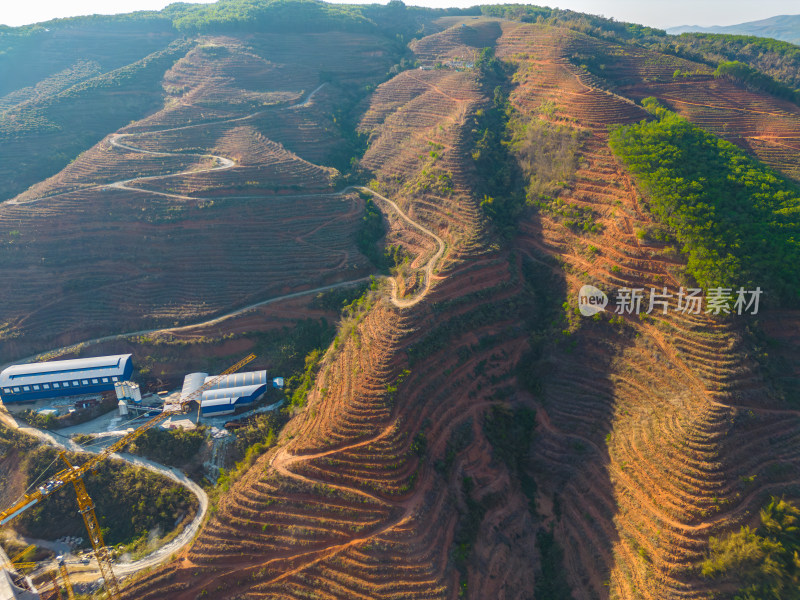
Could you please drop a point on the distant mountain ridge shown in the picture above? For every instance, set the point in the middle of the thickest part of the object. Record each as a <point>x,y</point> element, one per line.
<point>781,27</point>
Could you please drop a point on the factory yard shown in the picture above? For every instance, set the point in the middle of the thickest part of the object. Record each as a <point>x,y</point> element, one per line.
<point>105,421</point>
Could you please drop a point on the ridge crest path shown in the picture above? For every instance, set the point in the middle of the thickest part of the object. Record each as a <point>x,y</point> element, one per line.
<point>429,266</point>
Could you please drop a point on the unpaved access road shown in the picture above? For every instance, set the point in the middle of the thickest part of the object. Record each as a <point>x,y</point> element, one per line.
<point>161,554</point>
<point>430,266</point>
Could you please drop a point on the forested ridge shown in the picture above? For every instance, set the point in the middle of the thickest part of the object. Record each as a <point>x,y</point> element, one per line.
<point>763,562</point>
<point>776,58</point>
<point>736,220</point>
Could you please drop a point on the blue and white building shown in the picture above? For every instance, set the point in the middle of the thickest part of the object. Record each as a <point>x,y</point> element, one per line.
<point>51,379</point>
<point>227,394</point>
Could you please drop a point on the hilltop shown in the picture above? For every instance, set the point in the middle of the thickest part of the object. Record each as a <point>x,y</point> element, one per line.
<point>781,27</point>
<point>463,431</point>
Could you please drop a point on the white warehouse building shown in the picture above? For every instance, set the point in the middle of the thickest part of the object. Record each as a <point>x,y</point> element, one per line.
<point>228,393</point>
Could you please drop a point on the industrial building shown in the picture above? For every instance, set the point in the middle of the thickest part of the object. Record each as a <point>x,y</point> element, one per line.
<point>228,393</point>
<point>33,381</point>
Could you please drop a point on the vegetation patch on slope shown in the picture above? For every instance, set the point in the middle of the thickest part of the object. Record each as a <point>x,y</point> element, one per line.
<point>590,24</point>
<point>279,15</point>
<point>737,220</point>
<point>64,125</point>
<point>778,59</point>
<point>369,237</point>
<point>510,432</point>
<point>548,156</point>
<point>169,446</point>
<point>467,531</point>
<point>764,562</point>
<point>304,16</point>
<point>500,184</point>
<point>753,78</point>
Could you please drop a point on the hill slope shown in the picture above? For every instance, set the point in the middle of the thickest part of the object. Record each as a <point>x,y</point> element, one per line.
<point>468,434</point>
<point>215,184</point>
<point>641,426</point>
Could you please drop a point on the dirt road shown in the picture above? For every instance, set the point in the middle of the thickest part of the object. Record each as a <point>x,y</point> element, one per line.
<point>430,266</point>
<point>165,552</point>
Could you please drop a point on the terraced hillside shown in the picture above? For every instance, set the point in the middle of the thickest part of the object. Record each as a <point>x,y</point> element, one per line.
<point>202,206</point>
<point>468,434</point>
<point>651,434</point>
<point>764,125</point>
<point>670,413</point>
<point>347,507</point>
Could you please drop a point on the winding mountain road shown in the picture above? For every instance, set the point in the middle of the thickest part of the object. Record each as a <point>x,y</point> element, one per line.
<point>223,163</point>
<point>428,271</point>
<point>282,460</point>
<point>429,267</point>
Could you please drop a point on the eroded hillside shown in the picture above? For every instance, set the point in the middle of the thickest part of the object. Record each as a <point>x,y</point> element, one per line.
<point>474,437</point>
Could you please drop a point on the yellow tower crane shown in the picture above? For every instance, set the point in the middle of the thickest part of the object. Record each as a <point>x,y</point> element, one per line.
<point>75,474</point>
<point>62,568</point>
<point>12,562</point>
<point>14,565</point>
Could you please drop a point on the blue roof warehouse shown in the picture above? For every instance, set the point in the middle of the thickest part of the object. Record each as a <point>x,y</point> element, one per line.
<point>33,381</point>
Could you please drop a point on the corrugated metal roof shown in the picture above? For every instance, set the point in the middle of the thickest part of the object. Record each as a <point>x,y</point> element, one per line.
<point>236,385</point>
<point>61,370</point>
<point>192,382</point>
<point>236,392</point>
<point>239,379</point>
<point>219,402</point>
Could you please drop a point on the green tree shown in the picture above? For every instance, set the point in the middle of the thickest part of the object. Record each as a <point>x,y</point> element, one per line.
<point>765,562</point>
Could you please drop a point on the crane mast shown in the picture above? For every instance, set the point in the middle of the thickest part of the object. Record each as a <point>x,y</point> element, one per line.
<point>86,508</point>
<point>56,586</point>
<point>62,568</point>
